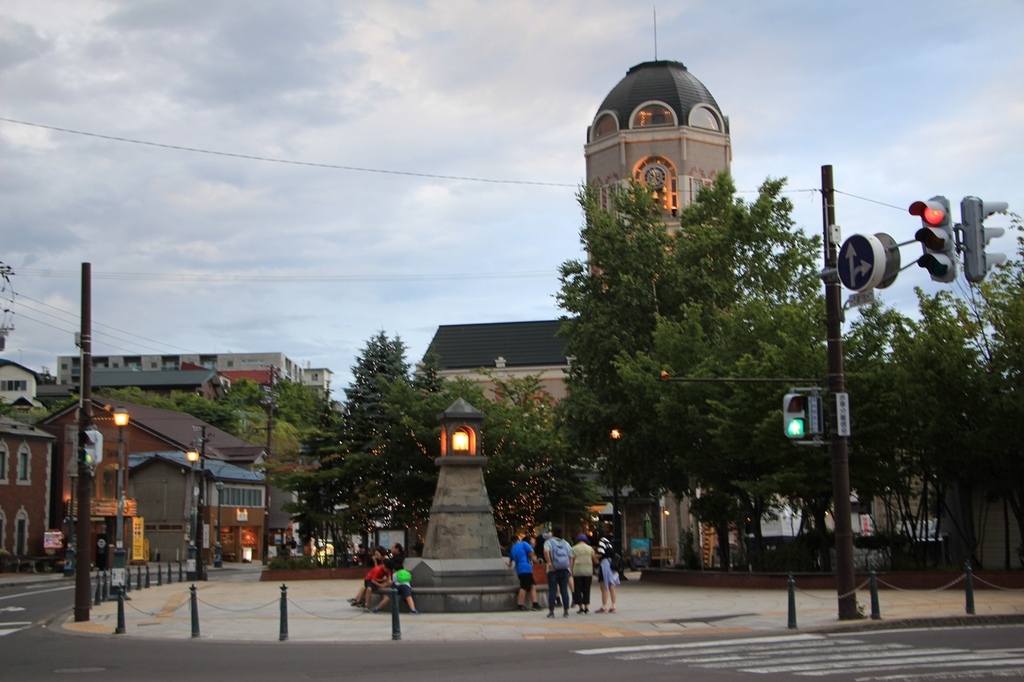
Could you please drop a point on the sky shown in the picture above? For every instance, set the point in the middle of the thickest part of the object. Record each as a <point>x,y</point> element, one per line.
<point>271,176</point>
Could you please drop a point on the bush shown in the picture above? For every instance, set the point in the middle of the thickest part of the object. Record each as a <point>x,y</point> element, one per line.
<point>4,555</point>
<point>293,562</point>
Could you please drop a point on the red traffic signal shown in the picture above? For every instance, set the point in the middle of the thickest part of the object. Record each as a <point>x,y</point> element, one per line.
<point>932,212</point>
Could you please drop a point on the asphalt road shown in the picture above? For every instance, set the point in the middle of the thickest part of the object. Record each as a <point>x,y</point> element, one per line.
<point>985,652</point>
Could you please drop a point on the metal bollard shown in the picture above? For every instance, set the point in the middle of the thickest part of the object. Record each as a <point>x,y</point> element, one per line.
<point>283,634</point>
<point>127,581</point>
<point>396,626</point>
<point>96,598</point>
<point>194,601</point>
<point>170,576</point>
<point>147,576</point>
<point>106,587</point>
<point>119,630</point>
<point>969,589</point>
<point>181,572</point>
<point>875,612</point>
<point>159,576</point>
<point>138,577</point>
<point>792,603</point>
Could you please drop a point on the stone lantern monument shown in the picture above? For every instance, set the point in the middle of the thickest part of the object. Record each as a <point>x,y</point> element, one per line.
<point>462,568</point>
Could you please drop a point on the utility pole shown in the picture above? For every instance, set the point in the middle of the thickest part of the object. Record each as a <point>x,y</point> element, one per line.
<point>83,551</point>
<point>837,385</point>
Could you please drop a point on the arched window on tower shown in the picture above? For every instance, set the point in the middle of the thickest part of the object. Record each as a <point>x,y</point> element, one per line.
<point>704,117</point>
<point>605,125</point>
<point>652,115</point>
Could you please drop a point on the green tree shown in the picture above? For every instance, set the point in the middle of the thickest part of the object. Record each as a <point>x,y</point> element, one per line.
<point>732,294</point>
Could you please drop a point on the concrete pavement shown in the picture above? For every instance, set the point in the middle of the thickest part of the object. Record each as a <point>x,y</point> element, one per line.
<point>234,606</point>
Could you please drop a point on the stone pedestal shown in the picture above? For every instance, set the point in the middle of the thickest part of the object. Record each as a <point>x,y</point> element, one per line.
<point>462,569</point>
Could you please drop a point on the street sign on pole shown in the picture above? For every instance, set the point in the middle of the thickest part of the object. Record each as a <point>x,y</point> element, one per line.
<point>861,262</point>
<point>843,415</point>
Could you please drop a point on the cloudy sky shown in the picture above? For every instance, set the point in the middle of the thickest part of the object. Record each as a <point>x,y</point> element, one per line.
<point>248,175</point>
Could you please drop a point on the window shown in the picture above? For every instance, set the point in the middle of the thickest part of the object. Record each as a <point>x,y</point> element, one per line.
<point>704,117</point>
<point>242,497</point>
<point>3,463</point>
<point>13,385</point>
<point>21,533</point>
<point>606,125</point>
<point>23,464</point>
<point>653,115</point>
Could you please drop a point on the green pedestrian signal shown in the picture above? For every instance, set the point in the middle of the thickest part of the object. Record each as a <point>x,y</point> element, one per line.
<point>794,415</point>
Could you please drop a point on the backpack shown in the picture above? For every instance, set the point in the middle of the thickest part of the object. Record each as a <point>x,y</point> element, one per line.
<point>618,563</point>
<point>559,553</point>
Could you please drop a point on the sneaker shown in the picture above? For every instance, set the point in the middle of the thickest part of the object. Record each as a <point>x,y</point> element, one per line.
<point>565,615</point>
<point>375,611</point>
<point>414,611</point>
<point>551,614</point>
<point>536,606</point>
<point>520,608</point>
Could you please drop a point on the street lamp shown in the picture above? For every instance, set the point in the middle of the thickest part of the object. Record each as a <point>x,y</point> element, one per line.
<point>616,436</point>
<point>190,564</point>
<point>117,576</point>
<point>218,560</point>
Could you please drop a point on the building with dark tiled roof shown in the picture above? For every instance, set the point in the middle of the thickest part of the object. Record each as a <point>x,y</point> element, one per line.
<point>503,349</point>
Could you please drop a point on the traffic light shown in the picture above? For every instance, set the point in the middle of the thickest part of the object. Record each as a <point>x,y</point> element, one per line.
<point>794,415</point>
<point>936,237</point>
<point>973,212</point>
<point>91,447</point>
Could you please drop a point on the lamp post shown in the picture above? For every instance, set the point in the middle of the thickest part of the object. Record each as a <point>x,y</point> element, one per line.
<point>117,576</point>
<point>218,551</point>
<point>190,562</point>
<point>616,436</point>
<point>69,551</point>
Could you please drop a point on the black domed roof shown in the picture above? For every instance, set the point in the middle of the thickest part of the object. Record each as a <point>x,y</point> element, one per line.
<point>665,81</point>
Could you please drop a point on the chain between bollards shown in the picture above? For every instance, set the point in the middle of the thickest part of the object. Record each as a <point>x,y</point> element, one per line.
<point>875,611</point>
<point>283,635</point>
<point>396,626</point>
<point>792,603</point>
<point>969,589</point>
<point>194,601</point>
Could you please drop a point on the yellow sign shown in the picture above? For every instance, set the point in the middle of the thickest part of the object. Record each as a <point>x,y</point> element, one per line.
<point>138,538</point>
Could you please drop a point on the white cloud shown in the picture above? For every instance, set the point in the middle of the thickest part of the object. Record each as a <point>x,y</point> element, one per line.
<point>904,100</point>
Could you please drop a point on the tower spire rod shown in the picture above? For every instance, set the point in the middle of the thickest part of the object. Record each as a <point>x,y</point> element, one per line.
<point>655,8</point>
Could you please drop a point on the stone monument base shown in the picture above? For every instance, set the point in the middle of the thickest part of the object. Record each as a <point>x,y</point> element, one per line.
<point>462,585</point>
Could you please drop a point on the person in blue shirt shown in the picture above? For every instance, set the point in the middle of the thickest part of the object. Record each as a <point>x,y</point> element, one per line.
<point>522,557</point>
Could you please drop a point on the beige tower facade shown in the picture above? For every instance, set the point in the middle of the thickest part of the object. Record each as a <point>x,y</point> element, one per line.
<point>662,127</point>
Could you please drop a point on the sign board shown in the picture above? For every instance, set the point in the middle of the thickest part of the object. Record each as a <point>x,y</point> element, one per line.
<point>843,415</point>
<point>117,577</point>
<point>640,552</point>
<point>138,538</point>
<point>53,539</point>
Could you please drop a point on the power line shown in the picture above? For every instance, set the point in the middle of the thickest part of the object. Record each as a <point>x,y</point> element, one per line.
<point>290,278</point>
<point>268,159</point>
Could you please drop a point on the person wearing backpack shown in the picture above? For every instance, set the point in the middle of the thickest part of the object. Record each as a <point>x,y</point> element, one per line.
<point>608,577</point>
<point>558,555</point>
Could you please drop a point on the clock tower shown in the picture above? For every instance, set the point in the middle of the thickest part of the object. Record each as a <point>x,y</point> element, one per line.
<point>661,127</point>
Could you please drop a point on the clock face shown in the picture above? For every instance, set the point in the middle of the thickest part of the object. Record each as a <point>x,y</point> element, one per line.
<point>654,177</point>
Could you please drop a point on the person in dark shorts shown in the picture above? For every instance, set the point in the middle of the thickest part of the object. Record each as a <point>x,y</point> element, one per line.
<point>522,557</point>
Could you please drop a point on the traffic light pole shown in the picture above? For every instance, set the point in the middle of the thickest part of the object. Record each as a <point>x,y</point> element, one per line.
<point>83,535</point>
<point>845,578</point>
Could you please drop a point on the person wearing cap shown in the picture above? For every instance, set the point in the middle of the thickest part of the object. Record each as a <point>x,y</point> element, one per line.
<point>582,572</point>
<point>403,583</point>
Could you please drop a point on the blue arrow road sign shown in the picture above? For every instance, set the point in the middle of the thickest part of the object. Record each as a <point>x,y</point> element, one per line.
<point>861,262</point>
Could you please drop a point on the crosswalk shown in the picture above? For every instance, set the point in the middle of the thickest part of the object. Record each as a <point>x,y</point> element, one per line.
<point>11,628</point>
<point>820,656</point>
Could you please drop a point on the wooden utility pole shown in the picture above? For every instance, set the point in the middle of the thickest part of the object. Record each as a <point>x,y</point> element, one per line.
<point>837,385</point>
<point>83,530</point>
